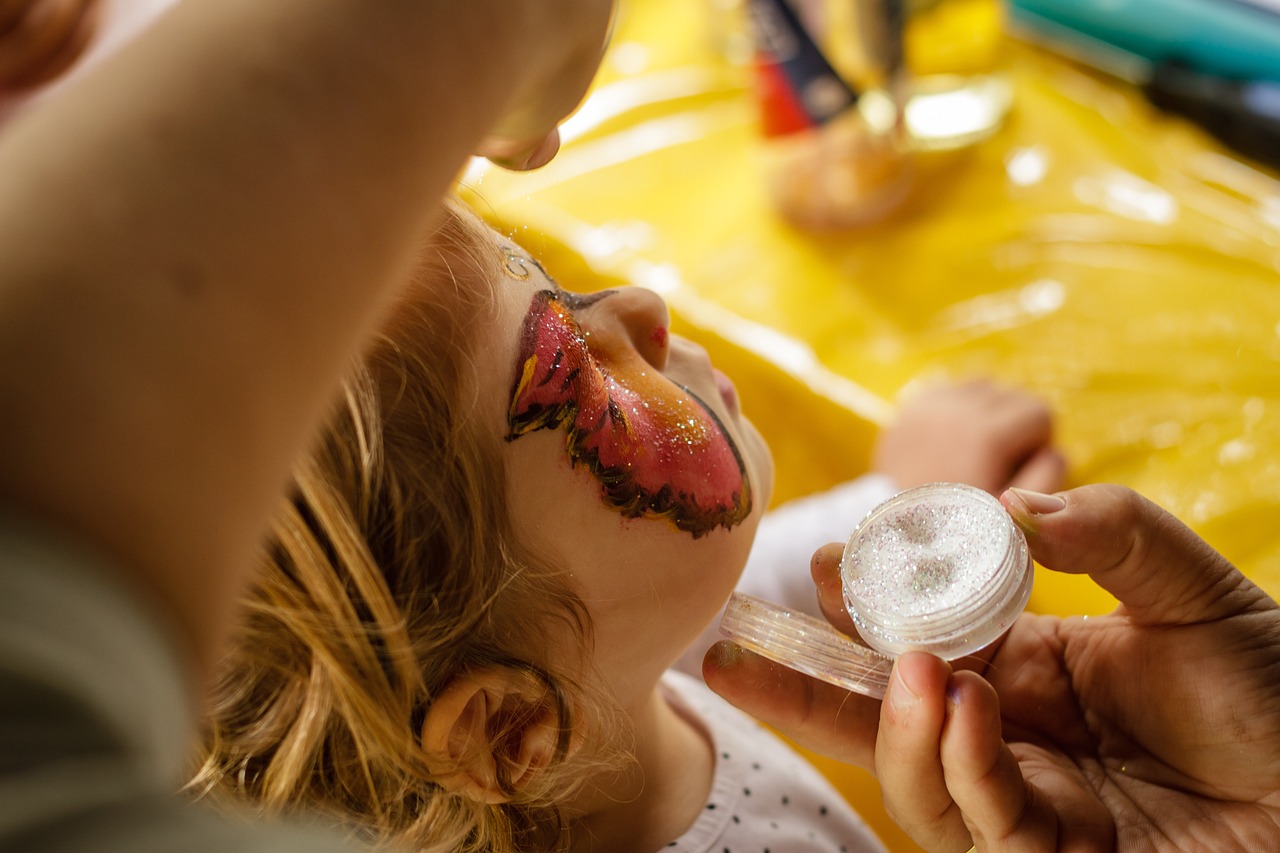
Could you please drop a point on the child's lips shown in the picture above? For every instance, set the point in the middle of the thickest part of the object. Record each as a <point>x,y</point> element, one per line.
<point>728,392</point>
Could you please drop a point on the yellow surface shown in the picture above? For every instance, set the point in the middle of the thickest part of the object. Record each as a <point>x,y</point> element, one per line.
<point>1112,259</point>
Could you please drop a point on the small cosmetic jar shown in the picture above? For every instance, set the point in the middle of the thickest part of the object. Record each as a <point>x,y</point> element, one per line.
<point>940,568</point>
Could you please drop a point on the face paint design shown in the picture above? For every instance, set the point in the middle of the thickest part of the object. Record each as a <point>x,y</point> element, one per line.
<point>656,449</point>
<point>516,266</point>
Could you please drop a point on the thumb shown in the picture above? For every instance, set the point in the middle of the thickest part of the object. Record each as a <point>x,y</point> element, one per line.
<point>1160,570</point>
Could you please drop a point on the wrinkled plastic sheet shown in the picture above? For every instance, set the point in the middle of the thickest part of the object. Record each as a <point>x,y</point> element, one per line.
<point>1115,260</point>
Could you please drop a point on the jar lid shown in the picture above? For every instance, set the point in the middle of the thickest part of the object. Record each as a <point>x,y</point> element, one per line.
<point>801,642</point>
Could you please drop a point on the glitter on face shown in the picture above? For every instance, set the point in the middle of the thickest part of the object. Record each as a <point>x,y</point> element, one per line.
<point>655,448</point>
<point>926,558</point>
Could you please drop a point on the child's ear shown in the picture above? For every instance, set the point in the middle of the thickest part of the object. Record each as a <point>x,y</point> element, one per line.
<point>490,731</point>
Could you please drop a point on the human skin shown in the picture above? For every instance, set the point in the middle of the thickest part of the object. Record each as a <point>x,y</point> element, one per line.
<point>184,279</point>
<point>1154,728</point>
<point>41,39</point>
<point>649,582</point>
<point>975,431</point>
<point>656,448</point>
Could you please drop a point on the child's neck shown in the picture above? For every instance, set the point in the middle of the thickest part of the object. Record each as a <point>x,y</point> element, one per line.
<point>659,796</point>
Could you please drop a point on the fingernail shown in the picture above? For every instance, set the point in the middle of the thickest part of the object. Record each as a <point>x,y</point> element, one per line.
<point>953,696</point>
<point>900,695</point>
<point>722,655</point>
<point>825,570</point>
<point>1038,503</point>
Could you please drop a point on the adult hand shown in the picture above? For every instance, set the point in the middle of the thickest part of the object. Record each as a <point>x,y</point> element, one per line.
<point>976,432</point>
<point>1156,727</point>
<point>527,137</point>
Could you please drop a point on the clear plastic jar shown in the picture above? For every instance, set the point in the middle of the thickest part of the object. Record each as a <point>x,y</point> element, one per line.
<point>805,644</point>
<point>940,568</point>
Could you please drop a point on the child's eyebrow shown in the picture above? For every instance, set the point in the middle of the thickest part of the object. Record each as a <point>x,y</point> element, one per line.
<point>537,263</point>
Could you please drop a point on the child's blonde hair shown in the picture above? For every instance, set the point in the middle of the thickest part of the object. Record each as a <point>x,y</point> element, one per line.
<point>392,568</point>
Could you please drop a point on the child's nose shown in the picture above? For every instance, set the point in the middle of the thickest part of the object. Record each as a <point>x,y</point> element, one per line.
<point>642,316</point>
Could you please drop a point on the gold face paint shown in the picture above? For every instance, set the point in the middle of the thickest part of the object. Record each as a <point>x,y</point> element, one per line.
<point>515,265</point>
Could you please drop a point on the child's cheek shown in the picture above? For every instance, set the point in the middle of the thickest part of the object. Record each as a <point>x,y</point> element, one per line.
<point>655,448</point>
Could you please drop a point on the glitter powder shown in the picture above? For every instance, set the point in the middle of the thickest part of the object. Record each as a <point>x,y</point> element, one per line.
<point>926,557</point>
<point>939,567</point>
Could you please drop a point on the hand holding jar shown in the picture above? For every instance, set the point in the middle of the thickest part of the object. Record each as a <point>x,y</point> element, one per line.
<point>1154,727</point>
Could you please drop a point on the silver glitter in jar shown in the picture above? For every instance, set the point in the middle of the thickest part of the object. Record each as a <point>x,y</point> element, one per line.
<point>939,568</point>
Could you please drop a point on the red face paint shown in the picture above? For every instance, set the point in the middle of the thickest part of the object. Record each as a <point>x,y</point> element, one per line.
<point>656,449</point>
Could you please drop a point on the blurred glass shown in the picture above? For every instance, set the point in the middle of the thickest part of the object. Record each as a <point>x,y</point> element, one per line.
<point>953,48</point>
<point>830,83</point>
<point>954,96</point>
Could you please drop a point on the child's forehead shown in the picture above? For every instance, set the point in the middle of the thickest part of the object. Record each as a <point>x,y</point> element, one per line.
<point>483,262</point>
<point>513,259</point>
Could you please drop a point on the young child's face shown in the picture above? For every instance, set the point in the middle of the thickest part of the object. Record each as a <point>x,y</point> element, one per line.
<point>629,462</point>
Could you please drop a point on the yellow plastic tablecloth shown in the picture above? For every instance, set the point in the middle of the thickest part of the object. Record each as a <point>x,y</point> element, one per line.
<point>1112,259</point>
